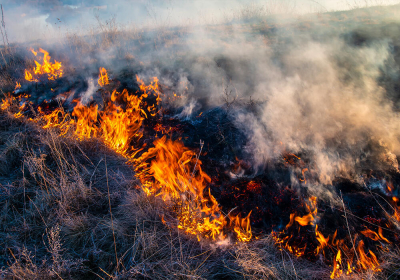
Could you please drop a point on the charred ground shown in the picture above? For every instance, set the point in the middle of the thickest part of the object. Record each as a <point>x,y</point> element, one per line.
<point>74,209</point>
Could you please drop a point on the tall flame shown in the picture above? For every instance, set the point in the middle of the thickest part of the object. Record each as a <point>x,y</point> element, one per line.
<point>53,70</point>
<point>120,126</point>
<point>168,170</point>
<point>103,77</point>
<point>173,172</point>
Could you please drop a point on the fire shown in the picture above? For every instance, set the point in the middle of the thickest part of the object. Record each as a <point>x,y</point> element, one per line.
<point>120,126</point>
<point>323,242</point>
<point>29,77</point>
<point>337,263</point>
<point>254,187</point>
<point>11,100</point>
<point>173,172</point>
<point>168,170</point>
<point>242,227</point>
<point>154,88</point>
<point>103,77</point>
<point>344,256</point>
<point>375,236</point>
<point>53,70</point>
<point>58,118</point>
<point>365,261</point>
<point>117,127</point>
<point>299,249</point>
<point>283,243</point>
<point>6,102</point>
<point>33,51</point>
<point>396,215</point>
<point>86,119</point>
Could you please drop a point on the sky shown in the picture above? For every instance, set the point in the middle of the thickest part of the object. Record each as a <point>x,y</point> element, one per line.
<point>28,20</point>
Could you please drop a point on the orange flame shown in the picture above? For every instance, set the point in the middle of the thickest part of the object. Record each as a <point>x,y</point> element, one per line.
<point>120,126</point>
<point>169,169</point>
<point>53,70</point>
<point>33,51</point>
<point>86,119</point>
<point>174,173</point>
<point>29,77</point>
<point>396,214</point>
<point>103,77</point>
<point>337,272</point>
<point>242,227</point>
<point>364,260</point>
<point>375,236</point>
<point>323,242</point>
<point>6,102</point>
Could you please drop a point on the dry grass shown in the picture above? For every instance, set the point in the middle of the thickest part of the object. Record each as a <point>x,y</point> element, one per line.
<point>73,209</point>
<point>55,221</point>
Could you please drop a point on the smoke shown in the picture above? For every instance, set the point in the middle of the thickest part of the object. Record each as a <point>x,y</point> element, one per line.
<point>330,111</point>
<point>87,96</point>
<point>322,85</point>
<point>328,96</point>
<point>53,19</point>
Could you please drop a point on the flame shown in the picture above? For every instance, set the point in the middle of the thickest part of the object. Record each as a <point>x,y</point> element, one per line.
<point>242,227</point>
<point>298,249</point>
<point>173,172</point>
<point>309,218</point>
<point>364,261</point>
<point>6,102</point>
<point>103,77</point>
<point>53,70</point>
<point>323,242</point>
<point>58,118</point>
<point>396,214</point>
<point>153,87</point>
<point>86,119</point>
<point>305,220</point>
<point>17,86</point>
<point>375,236</point>
<point>33,51</point>
<point>337,272</point>
<point>168,170</point>
<point>120,126</point>
<point>29,77</point>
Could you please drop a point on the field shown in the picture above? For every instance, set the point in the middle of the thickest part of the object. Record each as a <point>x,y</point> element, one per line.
<point>263,147</point>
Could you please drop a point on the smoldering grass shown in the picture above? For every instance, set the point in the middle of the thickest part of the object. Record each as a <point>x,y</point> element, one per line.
<point>56,221</point>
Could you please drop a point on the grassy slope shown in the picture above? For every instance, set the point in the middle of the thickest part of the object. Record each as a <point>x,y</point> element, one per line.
<point>56,220</point>
<point>72,210</point>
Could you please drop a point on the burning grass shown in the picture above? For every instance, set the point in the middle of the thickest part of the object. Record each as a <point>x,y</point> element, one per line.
<point>73,209</point>
<point>113,184</point>
<point>55,175</point>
